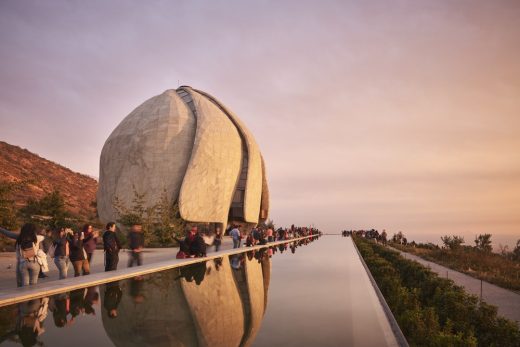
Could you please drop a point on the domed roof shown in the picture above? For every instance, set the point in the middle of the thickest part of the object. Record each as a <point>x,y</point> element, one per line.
<point>184,143</point>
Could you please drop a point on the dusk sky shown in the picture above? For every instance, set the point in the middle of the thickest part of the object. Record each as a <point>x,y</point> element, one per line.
<point>397,115</point>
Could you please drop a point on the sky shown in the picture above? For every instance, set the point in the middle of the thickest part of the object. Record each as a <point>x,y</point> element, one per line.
<point>401,115</point>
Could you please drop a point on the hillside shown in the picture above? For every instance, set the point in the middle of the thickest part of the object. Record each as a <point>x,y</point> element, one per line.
<point>44,176</point>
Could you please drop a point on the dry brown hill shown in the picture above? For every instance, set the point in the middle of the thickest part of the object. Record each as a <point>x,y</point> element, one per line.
<point>44,176</point>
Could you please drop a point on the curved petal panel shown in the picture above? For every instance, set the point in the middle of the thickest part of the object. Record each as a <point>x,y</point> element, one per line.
<point>214,166</point>
<point>264,204</point>
<point>254,174</point>
<point>149,151</point>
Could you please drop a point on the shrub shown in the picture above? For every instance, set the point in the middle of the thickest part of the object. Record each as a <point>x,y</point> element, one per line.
<point>433,311</point>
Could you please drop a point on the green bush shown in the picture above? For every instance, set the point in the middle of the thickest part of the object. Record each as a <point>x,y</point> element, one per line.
<point>160,222</point>
<point>433,311</point>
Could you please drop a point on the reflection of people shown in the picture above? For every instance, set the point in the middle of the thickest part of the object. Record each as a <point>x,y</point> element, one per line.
<point>136,289</point>
<point>218,263</point>
<point>31,315</point>
<point>136,244</point>
<point>112,298</point>
<point>60,309</point>
<point>235,261</point>
<point>111,246</point>
<point>195,272</point>
<point>218,239</point>
<point>181,313</point>
<point>91,299</point>
<point>259,255</point>
<point>77,303</point>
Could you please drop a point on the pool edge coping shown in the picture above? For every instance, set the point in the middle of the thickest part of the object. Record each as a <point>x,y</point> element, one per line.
<point>21,294</point>
<point>396,329</point>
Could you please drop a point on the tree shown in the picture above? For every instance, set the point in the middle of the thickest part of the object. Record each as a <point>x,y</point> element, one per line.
<point>503,250</point>
<point>452,242</point>
<point>138,213</point>
<point>8,218</point>
<point>516,251</point>
<point>160,222</point>
<point>483,243</point>
<point>49,211</point>
<point>168,221</point>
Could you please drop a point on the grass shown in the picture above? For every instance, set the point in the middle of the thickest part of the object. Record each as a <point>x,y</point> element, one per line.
<point>487,266</point>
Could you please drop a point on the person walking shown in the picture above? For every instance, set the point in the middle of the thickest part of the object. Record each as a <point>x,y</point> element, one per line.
<point>136,242</point>
<point>62,251</point>
<point>89,241</point>
<point>111,245</point>
<point>236,236</point>
<point>78,256</point>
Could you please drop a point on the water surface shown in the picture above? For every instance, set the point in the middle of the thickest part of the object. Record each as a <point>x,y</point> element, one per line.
<point>292,295</point>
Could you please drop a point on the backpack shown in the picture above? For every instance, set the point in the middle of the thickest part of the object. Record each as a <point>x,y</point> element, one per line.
<point>27,249</point>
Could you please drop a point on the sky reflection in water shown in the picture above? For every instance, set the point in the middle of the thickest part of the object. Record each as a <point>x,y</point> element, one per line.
<point>188,306</point>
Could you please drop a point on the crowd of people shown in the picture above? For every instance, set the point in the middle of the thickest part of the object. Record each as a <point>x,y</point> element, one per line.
<point>66,247</point>
<point>261,236</point>
<point>30,318</point>
<point>64,310</point>
<point>368,234</point>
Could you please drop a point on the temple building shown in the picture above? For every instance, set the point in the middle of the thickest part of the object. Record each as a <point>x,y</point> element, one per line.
<point>186,145</point>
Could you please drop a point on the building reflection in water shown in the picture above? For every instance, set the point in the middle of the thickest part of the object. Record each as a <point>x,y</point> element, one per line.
<point>219,302</point>
<point>209,303</point>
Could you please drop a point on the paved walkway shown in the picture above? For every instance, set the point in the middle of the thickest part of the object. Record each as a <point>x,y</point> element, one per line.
<point>150,255</point>
<point>508,302</point>
<point>155,260</point>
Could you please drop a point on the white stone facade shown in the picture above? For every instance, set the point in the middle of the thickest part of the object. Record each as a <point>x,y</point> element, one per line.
<point>187,145</point>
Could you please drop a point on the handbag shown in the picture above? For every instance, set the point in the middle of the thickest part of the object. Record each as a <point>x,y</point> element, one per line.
<point>41,258</point>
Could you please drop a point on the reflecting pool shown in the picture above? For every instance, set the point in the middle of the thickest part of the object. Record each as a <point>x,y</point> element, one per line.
<point>296,294</point>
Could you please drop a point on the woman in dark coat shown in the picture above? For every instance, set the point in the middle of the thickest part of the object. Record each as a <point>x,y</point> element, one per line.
<point>78,256</point>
